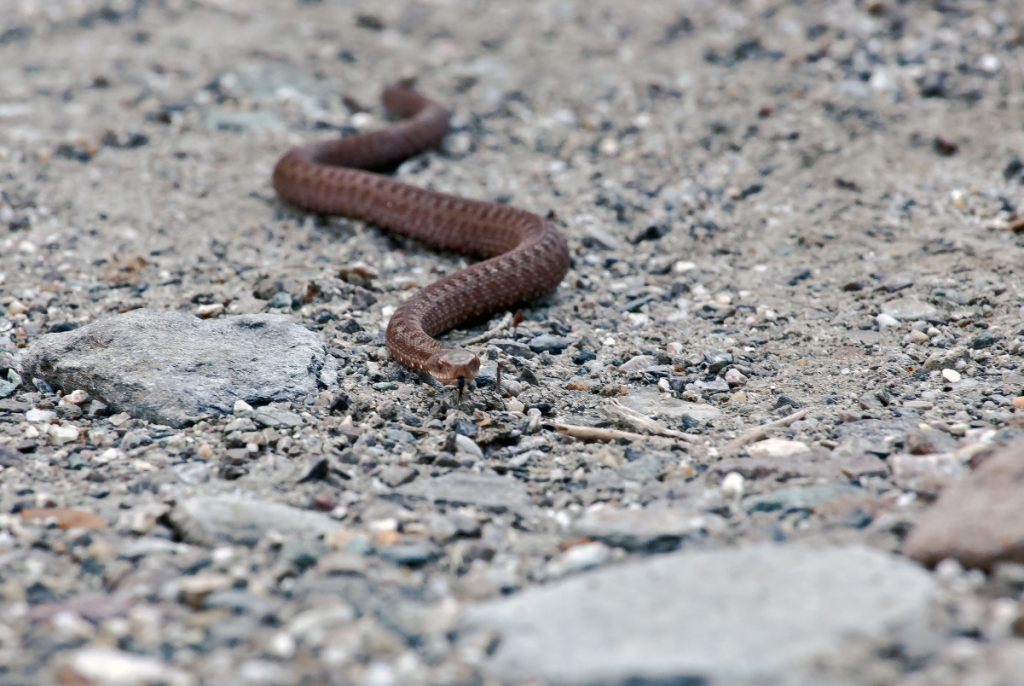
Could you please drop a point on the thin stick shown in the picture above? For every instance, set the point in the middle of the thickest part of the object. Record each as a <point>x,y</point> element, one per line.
<point>624,416</point>
<point>593,433</point>
<point>761,432</point>
<point>493,332</point>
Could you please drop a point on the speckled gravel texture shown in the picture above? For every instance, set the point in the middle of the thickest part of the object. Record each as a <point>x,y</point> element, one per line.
<point>772,208</point>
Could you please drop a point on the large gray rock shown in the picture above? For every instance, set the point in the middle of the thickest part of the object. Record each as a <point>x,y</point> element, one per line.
<point>173,368</point>
<point>486,491</point>
<point>760,615</point>
<point>219,520</point>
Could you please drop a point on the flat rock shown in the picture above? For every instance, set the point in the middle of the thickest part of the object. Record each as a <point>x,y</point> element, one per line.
<point>172,368</point>
<point>762,614</point>
<point>927,474</point>
<point>980,520</point>
<point>654,529</point>
<point>881,432</point>
<point>797,498</point>
<point>909,308</point>
<point>651,402</point>
<point>217,520</point>
<point>486,491</point>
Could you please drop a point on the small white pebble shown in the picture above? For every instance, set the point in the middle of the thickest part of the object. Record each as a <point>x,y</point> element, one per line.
<point>387,311</point>
<point>918,337</point>
<point>608,146</point>
<point>675,347</point>
<point>885,320</point>
<point>16,307</point>
<point>75,397</point>
<point>735,377</point>
<point>663,385</point>
<point>207,311</point>
<point>361,120</point>
<point>683,266</point>
<point>951,375</point>
<point>514,405</point>
<point>732,485</point>
<point>241,409</point>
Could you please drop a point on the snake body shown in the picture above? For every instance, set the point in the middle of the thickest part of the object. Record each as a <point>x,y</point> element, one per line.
<point>524,256</point>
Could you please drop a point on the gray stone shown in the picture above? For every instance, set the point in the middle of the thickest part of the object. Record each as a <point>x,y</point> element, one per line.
<point>652,529</point>
<point>645,467</point>
<point>411,554</point>
<point>796,498</point>
<point>908,309</point>
<point>276,419</point>
<point>550,344</point>
<point>397,476</point>
<point>882,432</point>
<point>172,368</point>
<point>513,348</point>
<point>486,491</point>
<point>763,614</point>
<point>217,520</point>
<point>927,441</point>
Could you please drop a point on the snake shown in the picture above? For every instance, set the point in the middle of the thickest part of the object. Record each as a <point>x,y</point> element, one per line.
<point>522,256</point>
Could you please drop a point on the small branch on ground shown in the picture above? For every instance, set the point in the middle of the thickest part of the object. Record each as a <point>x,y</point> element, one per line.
<point>761,432</point>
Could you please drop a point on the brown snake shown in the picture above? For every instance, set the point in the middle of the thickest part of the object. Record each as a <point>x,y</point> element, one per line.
<point>524,256</point>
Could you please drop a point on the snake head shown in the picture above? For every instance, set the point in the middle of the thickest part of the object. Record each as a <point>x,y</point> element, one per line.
<point>454,365</point>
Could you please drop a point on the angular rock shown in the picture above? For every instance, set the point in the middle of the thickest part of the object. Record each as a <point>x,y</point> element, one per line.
<point>777,447</point>
<point>513,348</point>
<point>927,474</point>
<point>909,308</point>
<point>172,368</point>
<point>928,441</point>
<point>796,498</point>
<point>550,344</point>
<point>980,520</point>
<point>654,529</point>
<point>217,520</point>
<point>763,614</point>
<point>486,491</point>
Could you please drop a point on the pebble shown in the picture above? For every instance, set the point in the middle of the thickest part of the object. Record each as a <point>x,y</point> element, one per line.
<point>515,406</point>
<point>732,485</point>
<point>577,559</point>
<point>218,520</point>
<point>488,492</point>
<point>466,445</point>
<point>908,309</point>
<point>636,364</point>
<point>108,667</point>
<point>796,498</point>
<point>885,320</point>
<point>918,337</point>
<point>648,529</point>
<point>776,447</point>
<point>951,375</point>
<point>734,378</point>
<point>64,518</point>
<point>550,344</point>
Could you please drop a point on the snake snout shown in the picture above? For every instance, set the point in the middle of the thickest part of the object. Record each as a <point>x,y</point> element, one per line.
<point>455,365</point>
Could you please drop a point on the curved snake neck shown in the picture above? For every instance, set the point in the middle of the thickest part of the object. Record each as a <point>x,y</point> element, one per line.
<point>524,256</point>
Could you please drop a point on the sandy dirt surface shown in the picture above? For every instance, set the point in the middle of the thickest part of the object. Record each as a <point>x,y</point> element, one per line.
<point>801,215</point>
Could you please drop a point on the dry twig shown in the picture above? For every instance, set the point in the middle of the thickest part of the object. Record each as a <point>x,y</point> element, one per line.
<point>761,432</point>
<point>624,416</point>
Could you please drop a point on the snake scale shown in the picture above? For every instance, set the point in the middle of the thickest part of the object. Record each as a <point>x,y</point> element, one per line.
<point>524,257</point>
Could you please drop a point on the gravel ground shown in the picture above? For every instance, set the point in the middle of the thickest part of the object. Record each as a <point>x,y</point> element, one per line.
<point>790,338</point>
